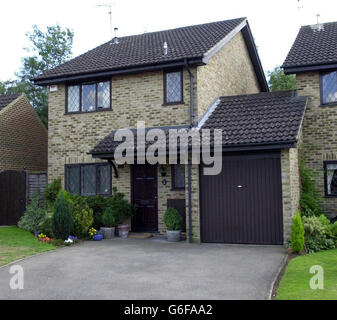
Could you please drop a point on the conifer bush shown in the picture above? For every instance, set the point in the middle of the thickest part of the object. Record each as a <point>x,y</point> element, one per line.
<point>62,219</point>
<point>297,234</point>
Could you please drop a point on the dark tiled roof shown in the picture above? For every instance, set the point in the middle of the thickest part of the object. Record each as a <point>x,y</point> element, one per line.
<point>313,47</point>
<point>147,49</point>
<point>108,144</point>
<point>263,118</point>
<point>255,119</point>
<point>5,100</point>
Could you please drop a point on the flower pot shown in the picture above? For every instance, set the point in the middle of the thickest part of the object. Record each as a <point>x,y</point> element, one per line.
<point>173,236</point>
<point>123,230</point>
<point>108,233</point>
<point>98,237</point>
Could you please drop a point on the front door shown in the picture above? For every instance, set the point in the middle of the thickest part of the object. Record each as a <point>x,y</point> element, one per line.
<point>144,196</point>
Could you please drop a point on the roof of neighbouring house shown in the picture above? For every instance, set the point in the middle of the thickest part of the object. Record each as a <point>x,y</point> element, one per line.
<point>144,50</point>
<point>313,47</point>
<point>5,100</point>
<point>262,119</point>
<point>258,119</point>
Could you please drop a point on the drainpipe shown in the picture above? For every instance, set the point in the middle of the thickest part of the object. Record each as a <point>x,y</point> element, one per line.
<point>189,160</point>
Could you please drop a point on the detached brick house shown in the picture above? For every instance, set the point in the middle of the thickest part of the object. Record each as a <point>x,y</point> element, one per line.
<point>313,59</point>
<point>23,137</point>
<point>204,76</point>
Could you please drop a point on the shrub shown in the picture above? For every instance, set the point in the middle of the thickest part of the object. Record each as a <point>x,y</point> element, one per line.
<point>83,219</point>
<point>99,204</point>
<point>311,200</point>
<point>319,233</point>
<point>297,234</point>
<point>51,191</point>
<point>109,217</point>
<point>46,226</point>
<point>67,196</point>
<point>33,215</point>
<point>82,215</point>
<point>62,221</point>
<point>173,220</point>
<point>333,230</point>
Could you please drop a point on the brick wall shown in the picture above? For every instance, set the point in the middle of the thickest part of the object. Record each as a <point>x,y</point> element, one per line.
<point>290,188</point>
<point>23,138</point>
<point>229,72</point>
<point>319,136</point>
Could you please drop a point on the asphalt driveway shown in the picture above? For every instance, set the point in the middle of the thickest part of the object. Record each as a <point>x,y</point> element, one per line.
<point>147,269</point>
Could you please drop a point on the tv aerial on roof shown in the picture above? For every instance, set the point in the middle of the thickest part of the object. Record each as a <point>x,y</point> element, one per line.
<point>109,6</point>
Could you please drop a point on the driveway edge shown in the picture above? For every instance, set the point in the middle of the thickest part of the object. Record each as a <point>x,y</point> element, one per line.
<point>283,263</point>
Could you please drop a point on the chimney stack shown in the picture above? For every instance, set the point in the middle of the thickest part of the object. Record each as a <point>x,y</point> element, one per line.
<point>115,40</point>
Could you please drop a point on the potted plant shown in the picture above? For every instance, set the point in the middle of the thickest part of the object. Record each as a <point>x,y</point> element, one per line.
<point>124,211</point>
<point>109,223</point>
<point>173,222</point>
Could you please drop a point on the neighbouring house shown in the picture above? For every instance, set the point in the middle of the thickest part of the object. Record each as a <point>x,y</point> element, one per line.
<point>23,137</point>
<point>313,59</point>
<point>23,156</point>
<point>206,76</point>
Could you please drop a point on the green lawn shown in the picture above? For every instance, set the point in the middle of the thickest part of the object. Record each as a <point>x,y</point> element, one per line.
<point>295,282</point>
<point>17,244</point>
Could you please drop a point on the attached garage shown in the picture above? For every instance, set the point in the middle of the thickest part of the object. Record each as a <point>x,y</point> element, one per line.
<point>243,204</point>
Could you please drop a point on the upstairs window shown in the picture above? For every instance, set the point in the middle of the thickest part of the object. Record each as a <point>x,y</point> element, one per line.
<point>88,179</point>
<point>88,97</point>
<point>329,88</point>
<point>173,87</point>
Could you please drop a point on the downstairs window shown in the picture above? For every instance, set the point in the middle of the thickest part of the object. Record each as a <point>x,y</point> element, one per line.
<point>88,179</point>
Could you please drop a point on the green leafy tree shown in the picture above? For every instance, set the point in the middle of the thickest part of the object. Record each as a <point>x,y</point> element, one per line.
<point>48,50</point>
<point>279,81</point>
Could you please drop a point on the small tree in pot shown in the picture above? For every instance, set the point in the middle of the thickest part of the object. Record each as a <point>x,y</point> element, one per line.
<point>124,211</point>
<point>173,222</point>
<point>109,223</point>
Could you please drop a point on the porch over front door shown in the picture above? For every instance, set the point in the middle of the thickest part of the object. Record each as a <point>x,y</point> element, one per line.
<point>145,197</point>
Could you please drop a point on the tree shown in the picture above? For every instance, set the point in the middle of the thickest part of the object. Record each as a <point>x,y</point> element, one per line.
<point>49,49</point>
<point>279,81</point>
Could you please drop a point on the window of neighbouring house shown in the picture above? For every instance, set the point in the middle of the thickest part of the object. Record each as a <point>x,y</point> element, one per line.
<point>88,97</point>
<point>178,176</point>
<point>89,179</point>
<point>331,178</point>
<point>173,87</point>
<point>329,87</point>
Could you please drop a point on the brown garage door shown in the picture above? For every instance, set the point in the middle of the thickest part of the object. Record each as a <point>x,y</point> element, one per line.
<point>243,204</point>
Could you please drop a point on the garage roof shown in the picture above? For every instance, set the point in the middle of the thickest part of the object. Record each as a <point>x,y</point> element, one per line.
<point>262,118</point>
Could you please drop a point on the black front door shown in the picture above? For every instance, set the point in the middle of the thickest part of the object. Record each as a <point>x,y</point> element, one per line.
<point>144,196</point>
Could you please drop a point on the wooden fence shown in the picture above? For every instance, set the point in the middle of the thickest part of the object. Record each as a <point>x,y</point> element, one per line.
<point>16,189</point>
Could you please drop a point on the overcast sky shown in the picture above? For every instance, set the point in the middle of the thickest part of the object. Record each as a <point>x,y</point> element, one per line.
<point>274,23</point>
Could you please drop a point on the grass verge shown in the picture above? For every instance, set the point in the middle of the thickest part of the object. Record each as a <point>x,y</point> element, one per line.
<point>17,244</point>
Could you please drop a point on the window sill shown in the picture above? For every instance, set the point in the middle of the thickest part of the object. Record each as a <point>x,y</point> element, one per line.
<point>178,189</point>
<point>88,112</point>
<point>330,197</point>
<point>328,105</point>
<point>173,104</point>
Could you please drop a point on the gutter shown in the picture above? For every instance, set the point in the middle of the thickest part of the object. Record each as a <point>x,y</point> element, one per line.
<point>103,74</point>
<point>189,160</point>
